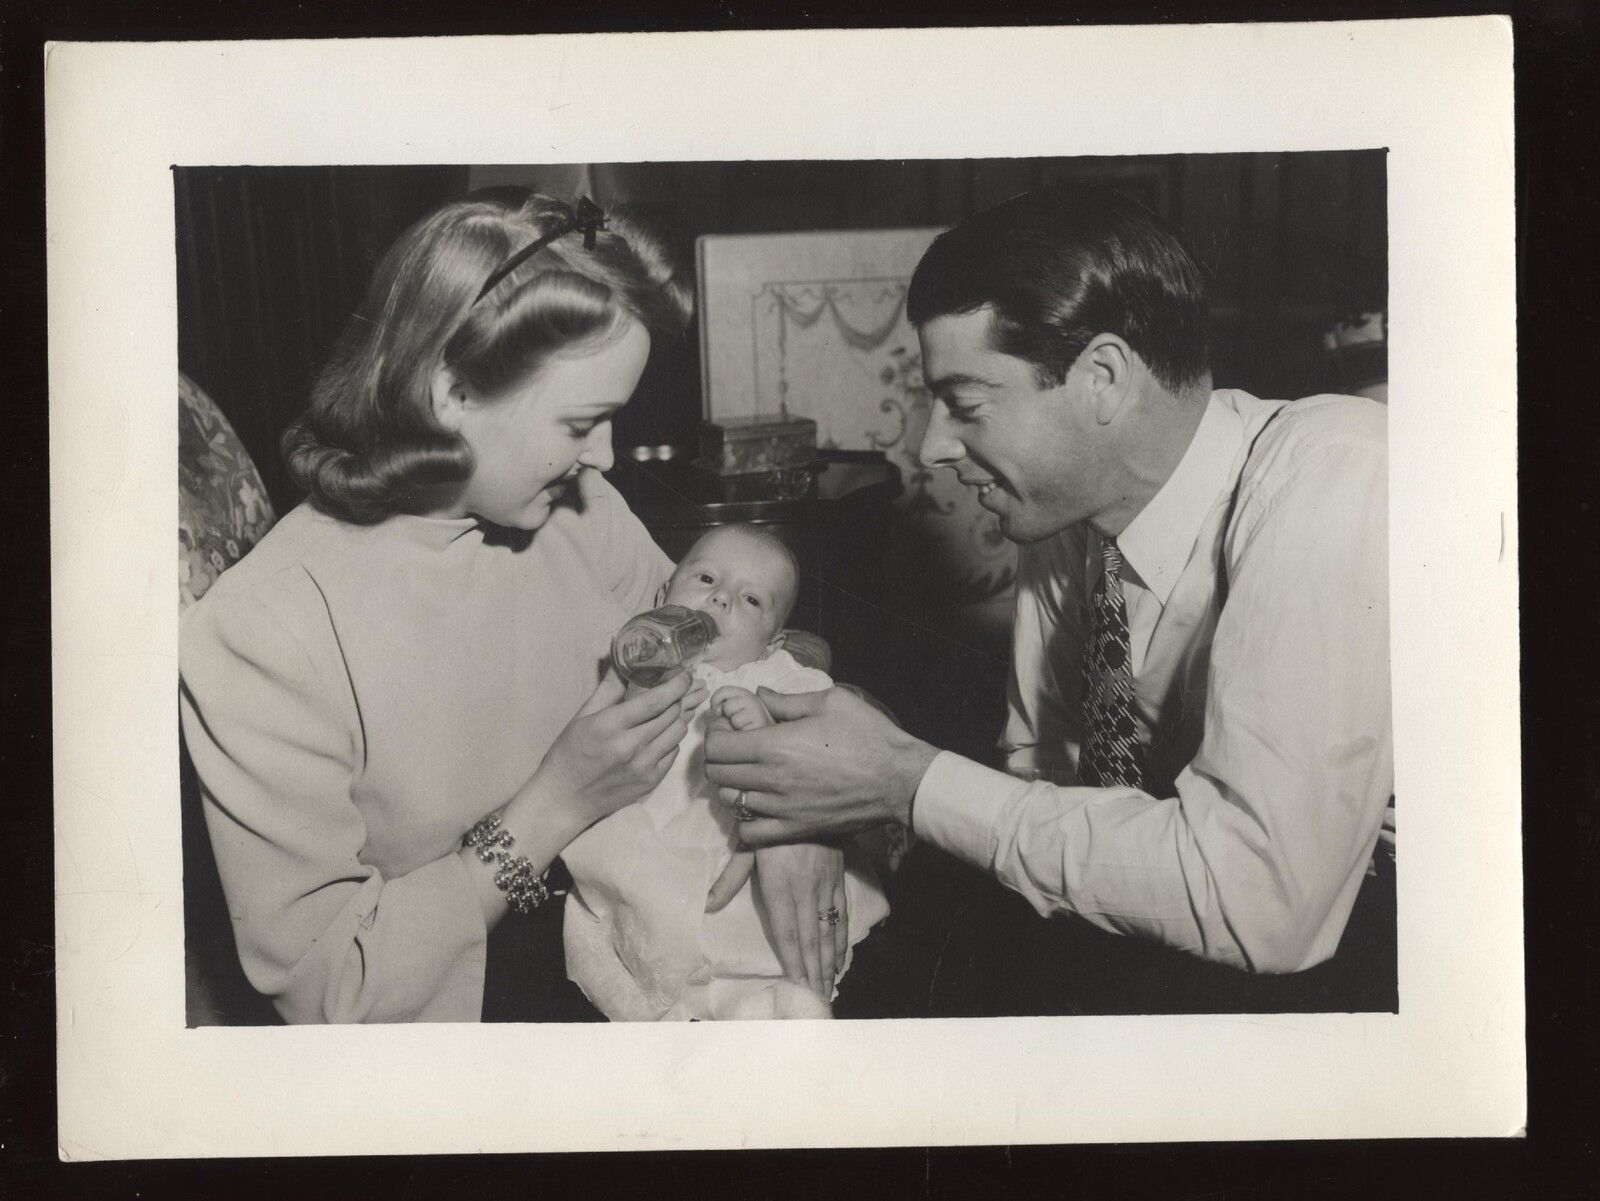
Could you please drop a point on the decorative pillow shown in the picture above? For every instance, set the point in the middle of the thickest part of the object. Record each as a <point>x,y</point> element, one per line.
<point>223,509</point>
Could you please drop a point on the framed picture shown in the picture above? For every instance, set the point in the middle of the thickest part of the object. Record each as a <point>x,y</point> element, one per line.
<point>814,325</point>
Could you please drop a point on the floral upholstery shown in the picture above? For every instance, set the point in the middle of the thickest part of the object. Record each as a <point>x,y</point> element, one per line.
<point>223,508</point>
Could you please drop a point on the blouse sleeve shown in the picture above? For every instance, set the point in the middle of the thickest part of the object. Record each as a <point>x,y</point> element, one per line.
<point>270,722</point>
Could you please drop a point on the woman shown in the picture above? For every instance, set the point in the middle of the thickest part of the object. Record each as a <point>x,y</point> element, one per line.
<point>395,669</point>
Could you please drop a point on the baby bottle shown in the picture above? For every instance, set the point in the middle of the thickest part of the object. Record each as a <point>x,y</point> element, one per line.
<point>654,643</point>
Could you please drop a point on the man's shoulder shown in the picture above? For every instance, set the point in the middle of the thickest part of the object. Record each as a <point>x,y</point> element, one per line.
<point>1299,430</point>
<point>1329,418</point>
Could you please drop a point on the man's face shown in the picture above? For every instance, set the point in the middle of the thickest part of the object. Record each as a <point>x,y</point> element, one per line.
<point>1037,456</point>
<point>747,586</point>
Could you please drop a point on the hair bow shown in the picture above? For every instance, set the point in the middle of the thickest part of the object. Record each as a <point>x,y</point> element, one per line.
<point>589,220</point>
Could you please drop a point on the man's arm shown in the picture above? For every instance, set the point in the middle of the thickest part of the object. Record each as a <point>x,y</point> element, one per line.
<point>1257,860</point>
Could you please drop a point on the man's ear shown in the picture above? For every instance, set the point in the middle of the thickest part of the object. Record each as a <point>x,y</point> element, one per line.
<point>775,645</point>
<point>1108,362</point>
<point>448,397</point>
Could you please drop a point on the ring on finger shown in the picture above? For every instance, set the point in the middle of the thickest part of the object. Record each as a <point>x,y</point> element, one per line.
<point>741,809</point>
<point>830,915</point>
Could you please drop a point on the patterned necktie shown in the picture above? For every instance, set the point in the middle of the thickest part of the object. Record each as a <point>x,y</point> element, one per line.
<point>1111,752</point>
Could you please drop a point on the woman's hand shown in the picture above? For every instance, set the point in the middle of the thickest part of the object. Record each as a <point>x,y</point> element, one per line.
<point>615,751</point>
<point>796,885</point>
<point>611,753</point>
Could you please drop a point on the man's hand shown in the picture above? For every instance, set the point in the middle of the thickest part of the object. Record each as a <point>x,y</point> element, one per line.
<point>832,765</point>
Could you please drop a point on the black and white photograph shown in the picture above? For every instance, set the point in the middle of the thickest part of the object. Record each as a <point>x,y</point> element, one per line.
<point>714,608</point>
<point>477,727</point>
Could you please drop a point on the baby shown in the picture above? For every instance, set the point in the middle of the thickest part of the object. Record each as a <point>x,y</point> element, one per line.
<point>639,941</point>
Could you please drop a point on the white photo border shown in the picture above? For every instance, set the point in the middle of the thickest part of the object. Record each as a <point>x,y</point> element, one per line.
<point>134,1082</point>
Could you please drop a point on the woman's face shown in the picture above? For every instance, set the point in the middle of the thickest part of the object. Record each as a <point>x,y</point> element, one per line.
<point>530,443</point>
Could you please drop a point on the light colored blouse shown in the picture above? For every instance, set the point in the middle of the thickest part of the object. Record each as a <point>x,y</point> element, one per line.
<point>354,698</point>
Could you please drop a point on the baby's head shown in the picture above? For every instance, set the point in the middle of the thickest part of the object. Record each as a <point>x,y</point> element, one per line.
<point>747,579</point>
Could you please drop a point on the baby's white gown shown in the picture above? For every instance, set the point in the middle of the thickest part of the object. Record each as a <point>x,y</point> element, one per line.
<point>638,940</point>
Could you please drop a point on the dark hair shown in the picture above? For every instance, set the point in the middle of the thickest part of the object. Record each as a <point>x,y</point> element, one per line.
<point>1061,265</point>
<point>368,445</point>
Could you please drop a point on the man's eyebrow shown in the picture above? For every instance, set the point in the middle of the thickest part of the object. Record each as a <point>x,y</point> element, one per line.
<point>957,378</point>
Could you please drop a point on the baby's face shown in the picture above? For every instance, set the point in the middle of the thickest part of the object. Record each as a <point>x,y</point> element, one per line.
<point>746,585</point>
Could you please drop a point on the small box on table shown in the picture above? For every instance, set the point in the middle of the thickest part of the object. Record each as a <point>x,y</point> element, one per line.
<point>748,445</point>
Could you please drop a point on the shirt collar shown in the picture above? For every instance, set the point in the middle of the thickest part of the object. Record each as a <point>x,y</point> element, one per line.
<point>432,533</point>
<point>1158,542</point>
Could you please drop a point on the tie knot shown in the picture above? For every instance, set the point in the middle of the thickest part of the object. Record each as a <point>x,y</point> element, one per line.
<point>1111,557</point>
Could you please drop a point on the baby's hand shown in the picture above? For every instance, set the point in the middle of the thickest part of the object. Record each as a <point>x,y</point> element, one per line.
<point>738,709</point>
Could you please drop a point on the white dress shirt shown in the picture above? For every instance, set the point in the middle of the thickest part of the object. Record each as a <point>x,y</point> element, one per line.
<point>1257,596</point>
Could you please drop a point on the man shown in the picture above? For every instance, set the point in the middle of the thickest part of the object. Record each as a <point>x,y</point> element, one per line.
<point>1199,740</point>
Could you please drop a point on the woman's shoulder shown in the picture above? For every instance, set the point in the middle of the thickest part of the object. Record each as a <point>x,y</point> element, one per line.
<point>600,508</point>
<point>601,530</point>
<point>596,489</point>
<point>268,592</point>
<point>299,535</point>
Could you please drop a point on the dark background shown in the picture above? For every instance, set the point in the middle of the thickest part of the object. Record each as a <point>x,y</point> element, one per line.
<point>271,259</point>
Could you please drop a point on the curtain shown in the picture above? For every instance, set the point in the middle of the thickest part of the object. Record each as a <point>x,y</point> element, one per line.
<point>270,261</point>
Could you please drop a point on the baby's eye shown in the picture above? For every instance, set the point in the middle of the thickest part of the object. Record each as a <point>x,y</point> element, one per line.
<point>704,577</point>
<point>753,600</point>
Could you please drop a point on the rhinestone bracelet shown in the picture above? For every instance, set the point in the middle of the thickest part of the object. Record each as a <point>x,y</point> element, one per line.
<point>525,888</point>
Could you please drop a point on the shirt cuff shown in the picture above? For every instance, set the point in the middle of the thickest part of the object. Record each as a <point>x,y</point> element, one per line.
<point>957,805</point>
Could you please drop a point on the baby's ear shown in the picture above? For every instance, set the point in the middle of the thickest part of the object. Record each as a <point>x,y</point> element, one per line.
<point>775,645</point>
